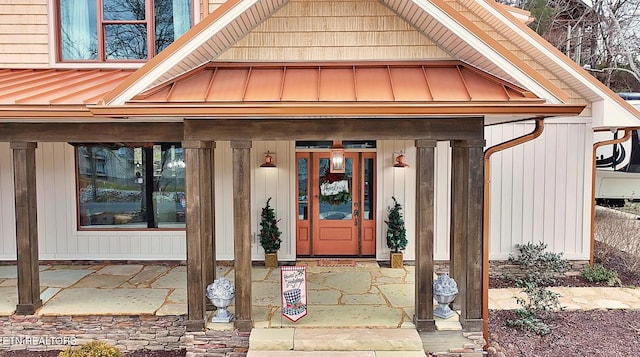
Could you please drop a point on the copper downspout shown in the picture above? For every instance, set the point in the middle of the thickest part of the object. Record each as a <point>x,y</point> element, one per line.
<point>627,135</point>
<point>485,216</point>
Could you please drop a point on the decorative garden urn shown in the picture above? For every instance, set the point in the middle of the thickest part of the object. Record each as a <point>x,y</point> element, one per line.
<point>445,291</point>
<point>221,292</point>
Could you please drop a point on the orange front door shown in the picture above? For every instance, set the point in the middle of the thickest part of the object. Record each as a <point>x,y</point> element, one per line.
<point>335,210</point>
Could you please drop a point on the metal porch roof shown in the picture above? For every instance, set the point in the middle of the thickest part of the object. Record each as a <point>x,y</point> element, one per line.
<point>55,92</point>
<point>424,88</point>
<point>447,81</point>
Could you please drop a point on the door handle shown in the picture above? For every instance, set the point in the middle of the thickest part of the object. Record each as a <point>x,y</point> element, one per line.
<point>355,213</point>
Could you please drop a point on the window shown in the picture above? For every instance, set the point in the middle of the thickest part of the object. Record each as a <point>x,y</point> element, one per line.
<point>110,30</point>
<point>131,187</point>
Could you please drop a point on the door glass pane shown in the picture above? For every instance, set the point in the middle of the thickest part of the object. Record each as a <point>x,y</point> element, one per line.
<point>303,189</point>
<point>369,185</point>
<point>335,192</point>
<point>123,10</point>
<point>126,41</point>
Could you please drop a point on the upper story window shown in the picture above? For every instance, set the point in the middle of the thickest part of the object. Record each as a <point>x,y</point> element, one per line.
<point>119,30</point>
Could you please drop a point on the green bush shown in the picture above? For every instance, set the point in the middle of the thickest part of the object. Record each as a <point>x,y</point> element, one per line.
<point>599,273</point>
<point>538,270</point>
<point>92,349</point>
<point>269,231</point>
<point>396,231</point>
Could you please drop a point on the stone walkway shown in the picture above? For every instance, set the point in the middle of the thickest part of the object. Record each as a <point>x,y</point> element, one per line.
<point>364,296</point>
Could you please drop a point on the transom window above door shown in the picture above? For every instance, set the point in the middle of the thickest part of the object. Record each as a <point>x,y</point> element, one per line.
<point>347,144</point>
<point>119,30</point>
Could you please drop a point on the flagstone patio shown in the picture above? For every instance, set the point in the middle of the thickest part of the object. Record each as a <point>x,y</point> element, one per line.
<point>362,296</point>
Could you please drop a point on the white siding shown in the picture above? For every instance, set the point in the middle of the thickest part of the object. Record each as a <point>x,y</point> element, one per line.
<point>278,183</point>
<point>7,205</point>
<point>57,234</point>
<point>540,190</point>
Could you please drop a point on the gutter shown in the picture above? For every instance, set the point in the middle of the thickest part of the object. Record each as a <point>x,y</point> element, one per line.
<point>627,135</point>
<point>485,214</point>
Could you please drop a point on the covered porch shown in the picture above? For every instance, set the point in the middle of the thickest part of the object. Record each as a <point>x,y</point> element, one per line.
<point>245,103</point>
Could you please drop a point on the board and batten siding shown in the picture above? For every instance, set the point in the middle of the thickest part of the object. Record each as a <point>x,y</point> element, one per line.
<point>7,205</point>
<point>57,234</point>
<point>540,191</point>
<point>24,26</point>
<point>401,184</point>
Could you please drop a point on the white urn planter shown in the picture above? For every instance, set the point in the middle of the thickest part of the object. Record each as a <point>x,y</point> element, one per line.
<point>445,290</point>
<point>221,293</point>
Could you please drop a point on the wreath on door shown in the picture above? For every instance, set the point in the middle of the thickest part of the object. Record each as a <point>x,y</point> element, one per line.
<point>334,188</point>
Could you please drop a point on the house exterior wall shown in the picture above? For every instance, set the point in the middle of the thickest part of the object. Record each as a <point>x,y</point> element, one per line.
<point>24,26</point>
<point>528,203</point>
<point>57,220</point>
<point>540,190</point>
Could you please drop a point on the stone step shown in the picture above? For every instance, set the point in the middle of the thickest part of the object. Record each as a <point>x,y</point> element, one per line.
<point>357,340</point>
<point>253,353</point>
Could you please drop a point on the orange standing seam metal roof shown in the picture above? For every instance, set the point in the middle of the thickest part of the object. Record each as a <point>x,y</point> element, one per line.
<point>241,89</point>
<point>449,81</point>
<point>55,92</point>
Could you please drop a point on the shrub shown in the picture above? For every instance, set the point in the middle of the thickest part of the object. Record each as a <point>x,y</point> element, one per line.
<point>538,270</point>
<point>599,273</point>
<point>396,231</point>
<point>619,232</point>
<point>269,231</point>
<point>92,349</point>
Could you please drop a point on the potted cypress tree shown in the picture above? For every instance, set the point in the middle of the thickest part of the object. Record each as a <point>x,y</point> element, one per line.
<point>269,236</point>
<point>396,234</point>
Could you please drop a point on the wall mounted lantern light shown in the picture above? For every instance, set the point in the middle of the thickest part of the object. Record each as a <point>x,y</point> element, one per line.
<point>268,160</point>
<point>399,160</point>
<point>337,157</point>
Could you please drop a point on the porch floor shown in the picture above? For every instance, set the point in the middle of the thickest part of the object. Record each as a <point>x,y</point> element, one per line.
<point>365,295</point>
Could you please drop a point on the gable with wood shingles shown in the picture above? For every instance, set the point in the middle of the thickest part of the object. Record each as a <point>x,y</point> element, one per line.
<point>331,30</point>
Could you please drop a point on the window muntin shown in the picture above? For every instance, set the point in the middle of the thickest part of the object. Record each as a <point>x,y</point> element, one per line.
<point>131,187</point>
<point>109,30</point>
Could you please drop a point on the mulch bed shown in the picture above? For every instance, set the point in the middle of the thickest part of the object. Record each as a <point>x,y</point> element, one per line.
<point>608,333</point>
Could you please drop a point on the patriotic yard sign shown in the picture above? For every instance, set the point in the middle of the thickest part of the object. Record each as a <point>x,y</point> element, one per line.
<point>293,284</point>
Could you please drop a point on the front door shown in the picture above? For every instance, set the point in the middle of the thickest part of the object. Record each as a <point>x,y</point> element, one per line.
<point>336,215</point>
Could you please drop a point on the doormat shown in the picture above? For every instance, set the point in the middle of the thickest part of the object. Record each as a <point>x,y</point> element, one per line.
<point>336,263</point>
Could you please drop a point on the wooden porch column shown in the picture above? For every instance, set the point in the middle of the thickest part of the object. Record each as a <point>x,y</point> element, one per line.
<point>466,229</point>
<point>241,159</point>
<point>24,178</point>
<point>425,180</point>
<point>209,235</point>
<point>458,222</point>
<point>199,219</point>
